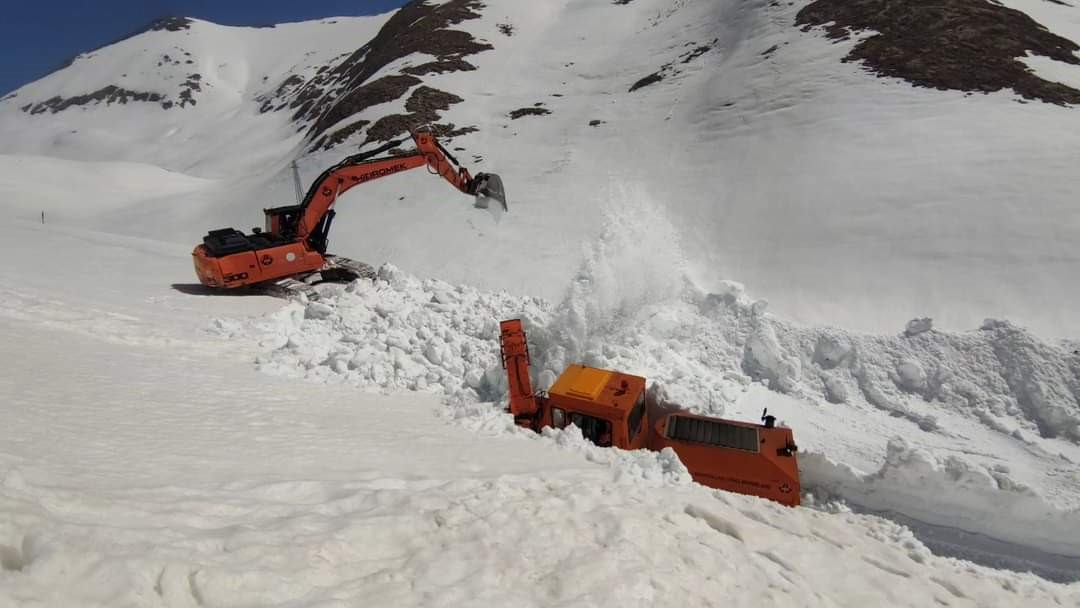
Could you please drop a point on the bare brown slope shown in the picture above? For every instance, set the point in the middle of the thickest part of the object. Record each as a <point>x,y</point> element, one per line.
<point>325,104</point>
<point>963,45</point>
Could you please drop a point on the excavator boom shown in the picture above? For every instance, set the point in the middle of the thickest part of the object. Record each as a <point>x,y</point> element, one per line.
<point>362,168</point>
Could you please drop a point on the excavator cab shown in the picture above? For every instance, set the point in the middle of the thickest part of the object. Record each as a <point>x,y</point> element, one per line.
<point>283,220</point>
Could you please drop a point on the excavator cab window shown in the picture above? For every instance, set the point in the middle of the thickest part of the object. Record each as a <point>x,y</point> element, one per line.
<point>596,430</point>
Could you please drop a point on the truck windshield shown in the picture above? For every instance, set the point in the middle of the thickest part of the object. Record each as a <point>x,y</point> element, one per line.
<point>596,430</point>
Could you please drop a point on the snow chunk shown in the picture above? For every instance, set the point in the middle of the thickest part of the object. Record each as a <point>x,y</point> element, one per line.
<point>918,326</point>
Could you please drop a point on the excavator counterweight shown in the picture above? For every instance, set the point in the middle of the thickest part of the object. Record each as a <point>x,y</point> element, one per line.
<point>289,254</point>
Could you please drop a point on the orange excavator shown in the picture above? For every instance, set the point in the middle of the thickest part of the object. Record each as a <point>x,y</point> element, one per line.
<point>290,254</point>
<point>613,409</point>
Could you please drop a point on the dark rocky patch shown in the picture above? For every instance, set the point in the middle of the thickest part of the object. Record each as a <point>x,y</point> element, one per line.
<point>653,78</point>
<point>304,101</point>
<point>672,69</point>
<point>329,141</point>
<point>962,45</point>
<point>697,51</point>
<point>423,108</point>
<point>114,94</point>
<point>427,99</point>
<point>533,111</point>
<point>387,88</point>
<point>694,54</point>
<point>505,28</point>
<point>186,98</point>
<point>171,24</point>
<point>396,125</point>
<point>417,28</point>
<point>344,86</point>
<point>109,95</point>
<point>455,64</point>
<point>267,101</point>
<point>190,86</point>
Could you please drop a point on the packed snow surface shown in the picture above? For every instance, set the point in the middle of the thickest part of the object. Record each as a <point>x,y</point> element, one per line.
<point>147,463</point>
<point>165,448</point>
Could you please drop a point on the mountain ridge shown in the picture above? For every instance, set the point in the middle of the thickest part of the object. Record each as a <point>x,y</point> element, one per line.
<point>811,179</point>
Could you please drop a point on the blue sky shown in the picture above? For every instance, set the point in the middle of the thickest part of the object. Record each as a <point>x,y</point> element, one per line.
<point>37,37</point>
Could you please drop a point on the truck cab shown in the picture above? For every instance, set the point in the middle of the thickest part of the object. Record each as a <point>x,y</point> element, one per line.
<point>608,406</point>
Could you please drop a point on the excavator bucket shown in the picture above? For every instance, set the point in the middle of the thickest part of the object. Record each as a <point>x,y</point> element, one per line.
<point>490,194</point>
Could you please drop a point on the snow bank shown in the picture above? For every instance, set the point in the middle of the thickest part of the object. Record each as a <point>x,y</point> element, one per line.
<point>631,307</point>
<point>949,491</point>
<point>401,332</point>
<point>398,332</point>
<point>999,374</point>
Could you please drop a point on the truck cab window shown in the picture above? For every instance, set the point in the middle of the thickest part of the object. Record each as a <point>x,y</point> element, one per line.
<point>558,418</point>
<point>596,430</point>
<point>636,415</point>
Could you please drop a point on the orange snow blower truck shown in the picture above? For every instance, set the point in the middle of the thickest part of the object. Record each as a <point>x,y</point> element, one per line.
<point>291,253</point>
<point>612,409</point>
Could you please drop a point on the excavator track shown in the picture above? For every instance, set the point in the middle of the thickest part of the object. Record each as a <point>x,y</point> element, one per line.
<point>344,270</point>
<point>336,270</point>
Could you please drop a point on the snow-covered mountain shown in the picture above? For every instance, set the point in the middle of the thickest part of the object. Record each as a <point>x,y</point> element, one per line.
<point>670,166</point>
<point>843,198</point>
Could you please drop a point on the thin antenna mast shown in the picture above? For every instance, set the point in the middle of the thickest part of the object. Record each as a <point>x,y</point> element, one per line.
<point>296,182</point>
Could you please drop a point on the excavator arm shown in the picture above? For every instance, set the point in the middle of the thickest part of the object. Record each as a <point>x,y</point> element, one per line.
<point>315,210</point>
